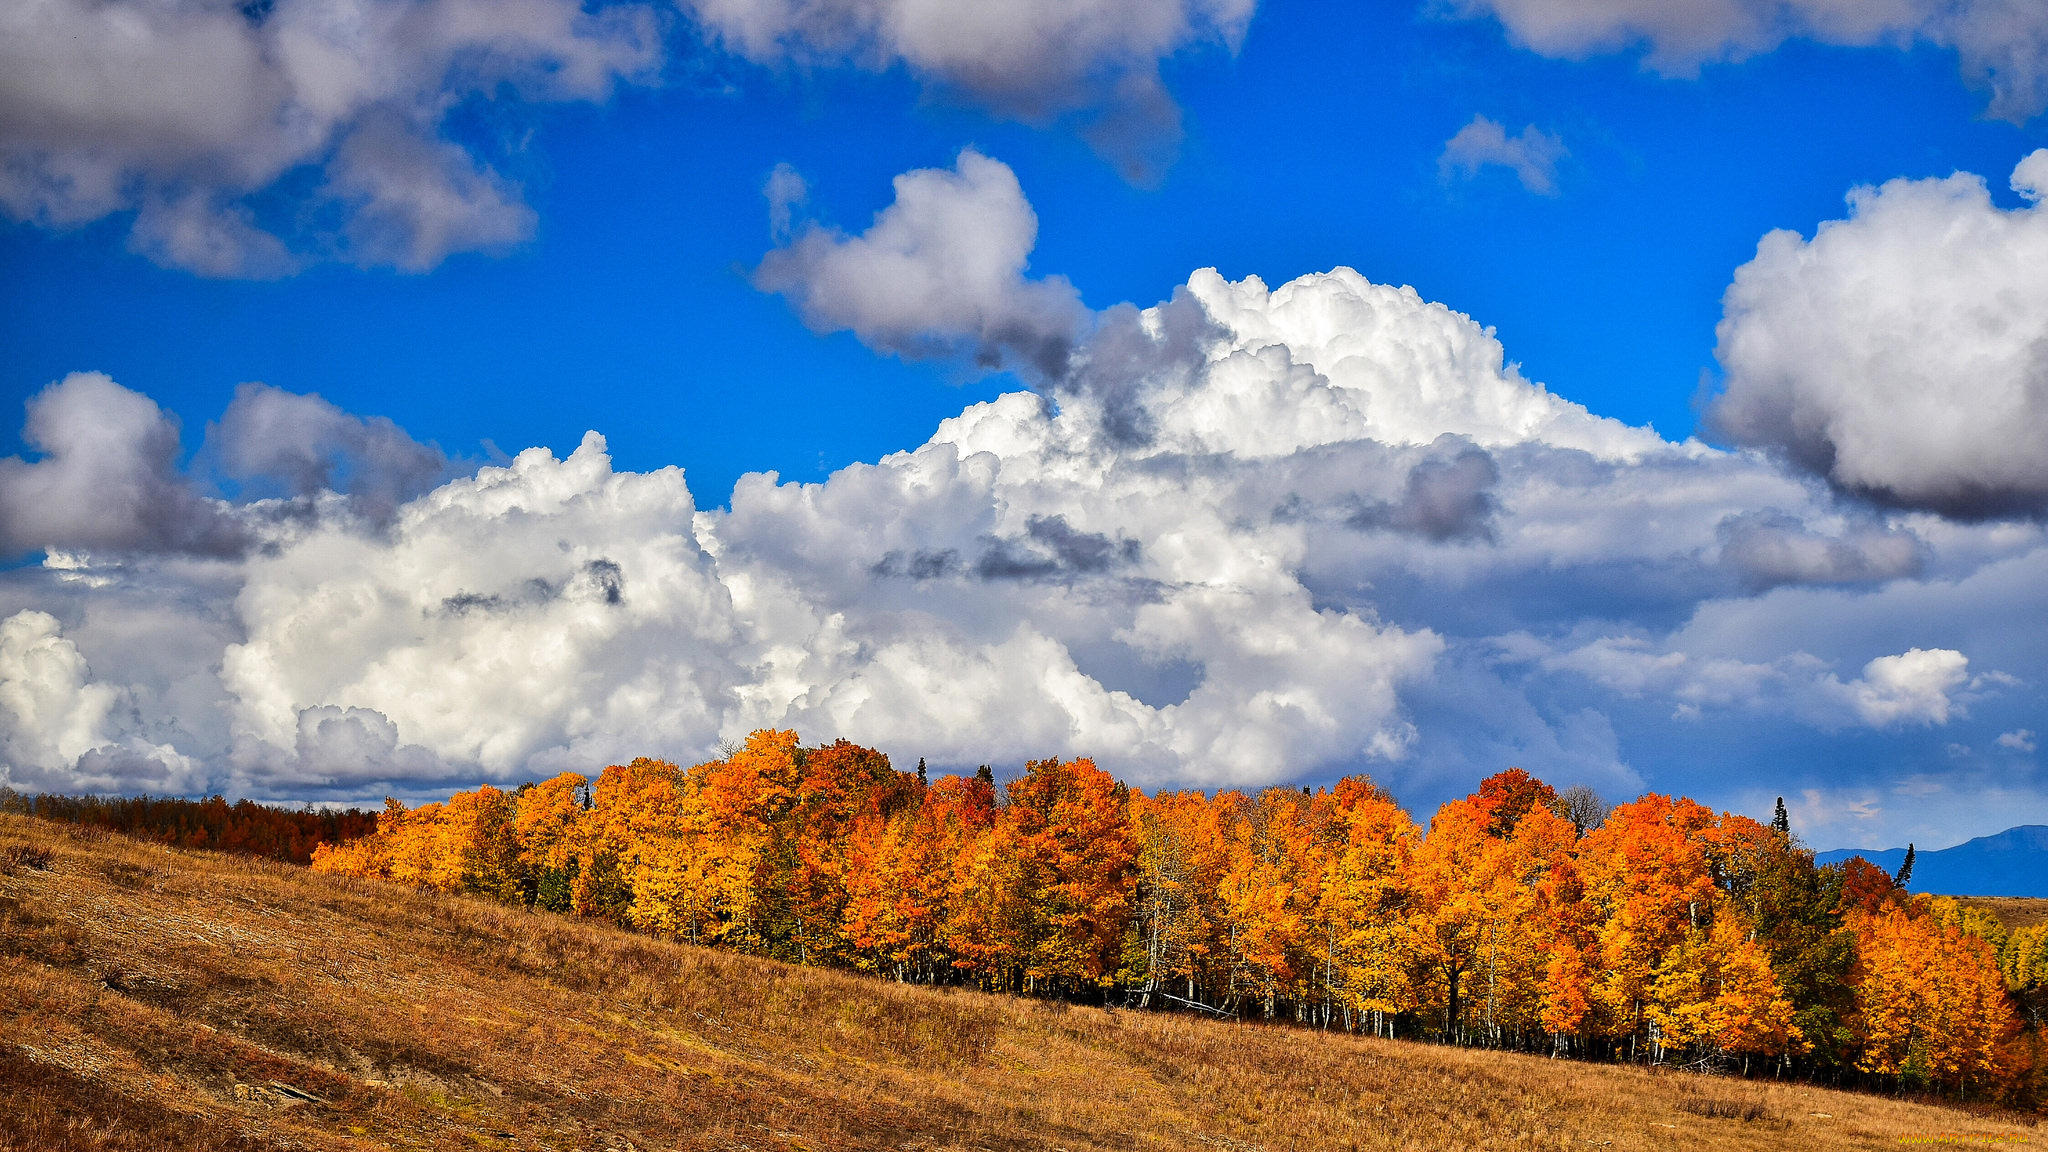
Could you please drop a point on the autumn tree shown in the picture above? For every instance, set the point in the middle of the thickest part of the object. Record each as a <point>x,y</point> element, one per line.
<point>1363,898</point>
<point>547,828</point>
<point>806,870</point>
<point>1522,917</point>
<point>1266,897</point>
<point>1648,885</point>
<point>1182,856</point>
<point>1933,1009</point>
<point>1067,828</point>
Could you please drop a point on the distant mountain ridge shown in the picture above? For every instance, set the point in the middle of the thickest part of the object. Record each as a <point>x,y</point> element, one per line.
<point>2009,863</point>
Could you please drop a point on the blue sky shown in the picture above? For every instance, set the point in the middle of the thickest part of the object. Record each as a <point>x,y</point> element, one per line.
<point>629,306</point>
<point>1314,146</point>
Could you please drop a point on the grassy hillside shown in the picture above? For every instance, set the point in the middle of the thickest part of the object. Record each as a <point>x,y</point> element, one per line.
<point>151,998</point>
<point>2015,912</point>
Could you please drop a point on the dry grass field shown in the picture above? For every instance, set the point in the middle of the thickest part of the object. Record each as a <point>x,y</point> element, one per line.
<point>156,999</point>
<point>2014,912</point>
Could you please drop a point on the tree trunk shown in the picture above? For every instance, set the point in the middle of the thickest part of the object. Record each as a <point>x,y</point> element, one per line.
<point>1451,1015</point>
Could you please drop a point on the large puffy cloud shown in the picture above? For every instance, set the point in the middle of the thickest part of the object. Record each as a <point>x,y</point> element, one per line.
<point>1902,352</point>
<point>55,713</point>
<point>65,728</point>
<point>1031,61</point>
<point>1250,534</point>
<point>189,113</point>
<point>1349,526</point>
<point>107,479</point>
<point>550,612</point>
<point>2003,43</point>
<point>940,272</point>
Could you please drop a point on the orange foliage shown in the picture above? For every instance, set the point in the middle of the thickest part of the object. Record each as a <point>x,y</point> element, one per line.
<point>1667,929</point>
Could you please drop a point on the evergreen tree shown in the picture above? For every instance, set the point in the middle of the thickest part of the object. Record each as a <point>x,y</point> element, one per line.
<point>1779,821</point>
<point>1905,872</point>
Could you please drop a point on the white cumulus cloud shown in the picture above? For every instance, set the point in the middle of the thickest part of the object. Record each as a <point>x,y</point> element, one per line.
<point>55,712</point>
<point>939,273</point>
<point>66,729</point>
<point>550,606</point>
<point>1902,352</point>
<point>1915,687</point>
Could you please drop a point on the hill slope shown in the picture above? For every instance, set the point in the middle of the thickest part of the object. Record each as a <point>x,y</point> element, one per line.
<point>2009,863</point>
<point>157,999</point>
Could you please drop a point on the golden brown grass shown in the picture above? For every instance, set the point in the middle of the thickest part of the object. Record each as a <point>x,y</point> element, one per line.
<point>2015,912</point>
<point>156,999</point>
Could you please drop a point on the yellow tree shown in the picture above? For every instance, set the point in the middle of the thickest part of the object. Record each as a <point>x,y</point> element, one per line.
<point>1169,927</point>
<point>1474,928</point>
<point>1932,1008</point>
<point>547,825</point>
<point>1266,896</point>
<point>1716,992</point>
<point>1363,897</point>
<point>418,850</point>
<point>634,856</point>
<point>708,875</point>
<point>368,856</point>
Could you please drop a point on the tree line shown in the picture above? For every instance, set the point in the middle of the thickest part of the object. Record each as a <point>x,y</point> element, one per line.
<point>1657,931</point>
<point>245,827</point>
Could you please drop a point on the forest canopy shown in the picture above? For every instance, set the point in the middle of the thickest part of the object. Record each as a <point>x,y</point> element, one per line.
<point>1657,930</point>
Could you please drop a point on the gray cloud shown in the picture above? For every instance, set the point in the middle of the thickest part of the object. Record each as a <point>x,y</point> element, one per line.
<point>1050,547</point>
<point>1094,59</point>
<point>2003,44</point>
<point>1531,154</point>
<point>1770,548</point>
<point>194,113</point>
<point>599,581</point>
<point>1447,496</point>
<point>1903,352</point>
<point>108,478</point>
<point>309,446</point>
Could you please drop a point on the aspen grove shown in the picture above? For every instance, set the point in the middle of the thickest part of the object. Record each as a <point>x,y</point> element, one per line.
<point>1657,931</point>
